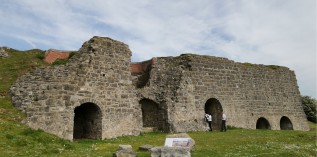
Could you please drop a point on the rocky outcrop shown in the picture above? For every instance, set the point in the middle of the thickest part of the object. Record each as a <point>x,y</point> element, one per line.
<point>3,52</point>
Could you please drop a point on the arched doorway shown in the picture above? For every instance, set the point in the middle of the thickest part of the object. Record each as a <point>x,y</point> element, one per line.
<point>153,115</point>
<point>213,107</point>
<point>87,122</point>
<point>286,124</point>
<point>263,123</point>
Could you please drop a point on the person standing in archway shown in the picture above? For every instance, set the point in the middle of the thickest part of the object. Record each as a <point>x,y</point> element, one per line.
<point>209,120</point>
<point>223,122</point>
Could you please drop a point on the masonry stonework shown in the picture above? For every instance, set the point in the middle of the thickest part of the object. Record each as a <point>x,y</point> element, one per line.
<point>100,94</point>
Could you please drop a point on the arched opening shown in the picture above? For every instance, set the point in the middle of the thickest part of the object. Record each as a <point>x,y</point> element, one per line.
<point>263,123</point>
<point>153,116</point>
<point>87,122</point>
<point>286,124</point>
<point>213,107</point>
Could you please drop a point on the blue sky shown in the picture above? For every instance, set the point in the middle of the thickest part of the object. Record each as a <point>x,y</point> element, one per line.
<point>270,32</point>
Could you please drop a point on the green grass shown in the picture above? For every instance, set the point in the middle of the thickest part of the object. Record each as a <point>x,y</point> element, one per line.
<point>18,63</point>
<point>64,61</point>
<point>16,139</point>
<point>272,67</point>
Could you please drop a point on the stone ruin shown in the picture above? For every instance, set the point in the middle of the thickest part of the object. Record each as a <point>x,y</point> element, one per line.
<point>100,94</point>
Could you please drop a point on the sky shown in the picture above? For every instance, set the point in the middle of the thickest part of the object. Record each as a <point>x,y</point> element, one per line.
<point>269,32</point>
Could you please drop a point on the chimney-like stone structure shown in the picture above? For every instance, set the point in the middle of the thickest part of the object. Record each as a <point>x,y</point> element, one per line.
<point>100,94</point>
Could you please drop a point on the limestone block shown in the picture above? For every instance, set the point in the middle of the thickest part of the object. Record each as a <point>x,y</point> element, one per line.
<point>170,152</point>
<point>184,135</point>
<point>124,151</point>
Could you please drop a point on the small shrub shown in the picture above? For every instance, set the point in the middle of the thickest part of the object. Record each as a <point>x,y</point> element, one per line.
<point>274,67</point>
<point>71,54</point>
<point>60,62</point>
<point>64,61</point>
<point>40,55</point>
<point>248,64</point>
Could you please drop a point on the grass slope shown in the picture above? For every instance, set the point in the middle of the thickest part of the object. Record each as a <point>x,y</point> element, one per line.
<point>16,139</point>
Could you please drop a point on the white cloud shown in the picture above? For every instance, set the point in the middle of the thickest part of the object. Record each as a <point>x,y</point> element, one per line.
<point>266,32</point>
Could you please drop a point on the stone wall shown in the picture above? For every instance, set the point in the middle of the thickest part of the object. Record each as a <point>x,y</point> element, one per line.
<point>98,75</point>
<point>185,85</point>
<point>99,94</point>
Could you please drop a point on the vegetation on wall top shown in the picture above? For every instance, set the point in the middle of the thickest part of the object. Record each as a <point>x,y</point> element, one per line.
<point>16,139</point>
<point>64,61</point>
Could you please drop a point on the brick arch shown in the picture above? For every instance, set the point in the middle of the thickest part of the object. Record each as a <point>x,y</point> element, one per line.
<point>214,107</point>
<point>87,120</point>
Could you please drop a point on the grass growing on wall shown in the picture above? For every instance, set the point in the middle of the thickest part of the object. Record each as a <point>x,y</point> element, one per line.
<point>17,64</point>
<point>16,139</point>
<point>64,61</point>
<point>272,67</point>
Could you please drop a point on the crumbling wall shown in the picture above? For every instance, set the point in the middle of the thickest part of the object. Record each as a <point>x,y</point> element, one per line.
<point>246,92</point>
<point>99,74</point>
<point>100,79</point>
<point>166,89</point>
<point>141,72</point>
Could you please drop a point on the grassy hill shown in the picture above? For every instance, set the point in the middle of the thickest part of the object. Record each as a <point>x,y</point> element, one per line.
<point>16,139</point>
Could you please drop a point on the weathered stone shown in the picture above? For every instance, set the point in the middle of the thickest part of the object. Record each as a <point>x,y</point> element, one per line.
<point>125,147</point>
<point>184,135</point>
<point>100,94</point>
<point>3,52</point>
<point>124,151</point>
<point>148,129</point>
<point>170,152</point>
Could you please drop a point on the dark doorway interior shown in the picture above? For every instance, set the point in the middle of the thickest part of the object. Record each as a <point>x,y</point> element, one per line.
<point>263,123</point>
<point>87,122</point>
<point>286,124</point>
<point>153,115</point>
<point>213,107</point>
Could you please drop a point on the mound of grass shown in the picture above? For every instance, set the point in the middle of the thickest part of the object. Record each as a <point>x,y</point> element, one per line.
<point>17,64</point>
